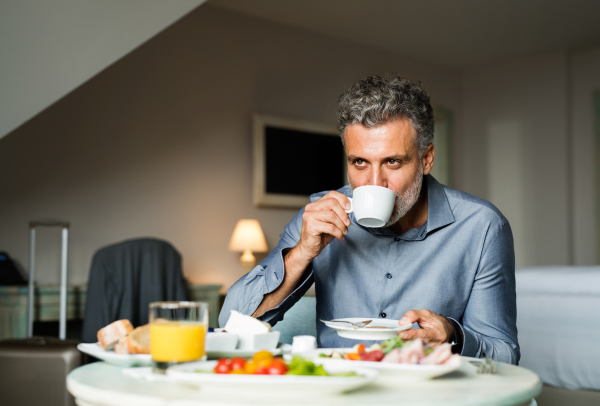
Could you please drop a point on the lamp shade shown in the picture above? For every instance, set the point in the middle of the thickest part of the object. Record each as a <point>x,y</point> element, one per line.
<point>248,235</point>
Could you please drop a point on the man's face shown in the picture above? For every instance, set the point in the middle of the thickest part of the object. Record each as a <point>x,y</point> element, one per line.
<point>387,155</point>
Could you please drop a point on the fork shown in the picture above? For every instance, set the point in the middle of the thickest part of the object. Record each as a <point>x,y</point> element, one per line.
<point>355,325</point>
<point>487,366</point>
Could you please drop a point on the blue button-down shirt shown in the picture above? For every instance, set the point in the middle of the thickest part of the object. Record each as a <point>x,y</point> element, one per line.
<point>459,264</point>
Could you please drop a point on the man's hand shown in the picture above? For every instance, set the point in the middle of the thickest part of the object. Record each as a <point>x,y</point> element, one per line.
<point>323,221</point>
<point>435,329</point>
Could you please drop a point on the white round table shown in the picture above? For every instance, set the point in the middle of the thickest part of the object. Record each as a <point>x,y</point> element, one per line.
<point>102,384</point>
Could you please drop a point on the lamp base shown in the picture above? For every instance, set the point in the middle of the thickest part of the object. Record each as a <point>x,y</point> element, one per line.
<point>248,261</point>
<point>247,256</point>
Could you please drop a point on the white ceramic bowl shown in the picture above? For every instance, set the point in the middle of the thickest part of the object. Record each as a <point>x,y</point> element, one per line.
<point>218,341</point>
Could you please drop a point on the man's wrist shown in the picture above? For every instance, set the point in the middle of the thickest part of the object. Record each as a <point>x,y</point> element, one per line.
<point>456,338</point>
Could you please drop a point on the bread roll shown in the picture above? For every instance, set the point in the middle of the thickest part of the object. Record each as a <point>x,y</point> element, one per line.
<point>110,335</point>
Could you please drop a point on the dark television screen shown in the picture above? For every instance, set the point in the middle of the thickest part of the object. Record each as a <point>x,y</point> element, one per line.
<point>302,163</point>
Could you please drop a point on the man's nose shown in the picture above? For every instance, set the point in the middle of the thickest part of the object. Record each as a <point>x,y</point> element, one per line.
<point>378,179</point>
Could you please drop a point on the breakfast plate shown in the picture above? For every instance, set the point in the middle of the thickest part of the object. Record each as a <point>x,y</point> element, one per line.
<point>413,371</point>
<point>121,360</point>
<point>145,360</point>
<point>377,329</point>
<point>200,373</point>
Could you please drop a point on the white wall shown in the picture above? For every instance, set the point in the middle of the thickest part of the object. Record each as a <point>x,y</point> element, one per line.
<point>513,151</point>
<point>159,144</point>
<point>49,48</point>
<point>527,145</point>
<point>584,79</point>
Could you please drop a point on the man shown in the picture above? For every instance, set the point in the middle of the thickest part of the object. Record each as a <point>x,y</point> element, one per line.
<point>445,259</point>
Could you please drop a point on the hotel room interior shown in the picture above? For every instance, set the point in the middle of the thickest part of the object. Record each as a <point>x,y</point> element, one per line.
<point>134,118</point>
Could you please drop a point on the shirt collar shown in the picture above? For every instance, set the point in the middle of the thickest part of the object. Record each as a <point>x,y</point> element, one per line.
<point>439,214</point>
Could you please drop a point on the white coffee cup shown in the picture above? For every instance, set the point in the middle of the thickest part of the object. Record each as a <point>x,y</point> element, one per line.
<point>372,205</point>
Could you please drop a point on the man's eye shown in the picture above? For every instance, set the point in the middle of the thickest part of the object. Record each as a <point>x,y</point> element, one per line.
<point>358,162</point>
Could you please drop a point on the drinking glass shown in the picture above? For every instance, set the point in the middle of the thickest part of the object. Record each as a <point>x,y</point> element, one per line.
<point>177,333</point>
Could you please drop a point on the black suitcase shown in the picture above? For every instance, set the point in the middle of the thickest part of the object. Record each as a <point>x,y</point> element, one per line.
<point>33,371</point>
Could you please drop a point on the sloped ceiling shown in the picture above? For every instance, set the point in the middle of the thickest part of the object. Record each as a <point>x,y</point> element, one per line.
<point>48,48</point>
<point>451,33</point>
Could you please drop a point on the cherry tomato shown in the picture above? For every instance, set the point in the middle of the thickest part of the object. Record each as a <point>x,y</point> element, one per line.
<point>237,363</point>
<point>223,367</point>
<point>277,368</point>
<point>261,370</point>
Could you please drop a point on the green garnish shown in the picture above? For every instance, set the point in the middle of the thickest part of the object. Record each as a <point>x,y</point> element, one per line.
<point>391,343</point>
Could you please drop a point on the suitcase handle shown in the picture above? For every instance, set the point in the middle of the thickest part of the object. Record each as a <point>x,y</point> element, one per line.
<point>62,334</point>
<point>49,223</point>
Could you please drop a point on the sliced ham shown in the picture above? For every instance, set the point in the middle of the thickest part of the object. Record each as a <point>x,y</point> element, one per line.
<point>440,355</point>
<point>411,353</point>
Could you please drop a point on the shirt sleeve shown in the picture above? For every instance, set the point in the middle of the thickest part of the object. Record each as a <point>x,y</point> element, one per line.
<point>247,293</point>
<point>489,322</point>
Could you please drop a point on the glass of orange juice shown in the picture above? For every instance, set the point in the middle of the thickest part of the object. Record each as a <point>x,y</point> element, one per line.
<point>177,332</point>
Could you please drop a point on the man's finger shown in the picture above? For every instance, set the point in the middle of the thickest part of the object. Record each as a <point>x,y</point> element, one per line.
<point>327,228</point>
<point>414,333</point>
<point>410,317</point>
<point>333,204</point>
<point>332,218</point>
<point>342,199</point>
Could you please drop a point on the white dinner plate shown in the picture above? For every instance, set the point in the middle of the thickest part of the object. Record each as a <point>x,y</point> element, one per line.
<point>263,385</point>
<point>145,360</point>
<point>415,371</point>
<point>122,360</point>
<point>389,328</point>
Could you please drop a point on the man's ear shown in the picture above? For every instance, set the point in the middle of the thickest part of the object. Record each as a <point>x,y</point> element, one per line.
<point>427,159</point>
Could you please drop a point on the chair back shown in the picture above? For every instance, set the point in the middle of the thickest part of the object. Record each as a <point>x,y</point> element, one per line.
<point>125,278</point>
<point>301,319</point>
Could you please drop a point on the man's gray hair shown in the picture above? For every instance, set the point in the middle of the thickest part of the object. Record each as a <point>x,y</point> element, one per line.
<point>379,99</point>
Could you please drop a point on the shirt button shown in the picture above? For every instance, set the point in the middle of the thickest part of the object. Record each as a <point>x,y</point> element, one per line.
<point>383,315</point>
<point>396,239</point>
<point>389,275</point>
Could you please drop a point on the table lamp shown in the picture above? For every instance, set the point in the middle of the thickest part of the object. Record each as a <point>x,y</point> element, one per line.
<point>247,237</point>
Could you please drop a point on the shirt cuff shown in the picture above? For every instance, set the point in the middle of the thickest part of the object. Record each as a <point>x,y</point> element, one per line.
<point>457,348</point>
<point>272,282</point>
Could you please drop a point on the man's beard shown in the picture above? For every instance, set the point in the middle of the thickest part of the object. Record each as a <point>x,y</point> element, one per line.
<point>408,199</point>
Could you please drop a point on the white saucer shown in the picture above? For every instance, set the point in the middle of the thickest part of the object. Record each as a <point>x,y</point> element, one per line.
<point>389,328</point>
